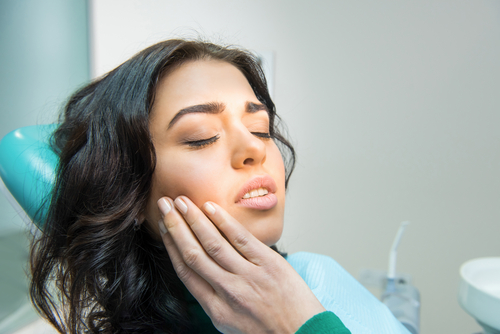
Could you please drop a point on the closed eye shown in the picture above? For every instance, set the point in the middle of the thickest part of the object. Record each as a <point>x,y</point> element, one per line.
<point>202,143</point>
<point>264,135</point>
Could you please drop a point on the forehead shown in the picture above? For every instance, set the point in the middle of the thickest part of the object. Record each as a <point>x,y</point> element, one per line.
<point>201,81</point>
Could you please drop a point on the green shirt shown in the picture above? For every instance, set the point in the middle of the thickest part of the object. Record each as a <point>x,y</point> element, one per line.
<point>323,323</point>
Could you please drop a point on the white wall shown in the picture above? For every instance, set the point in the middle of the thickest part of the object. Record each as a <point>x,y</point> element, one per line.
<point>394,109</point>
<point>44,57</point>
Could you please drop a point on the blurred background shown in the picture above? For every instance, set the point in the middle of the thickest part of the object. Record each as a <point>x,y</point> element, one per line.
<point>393,108</point>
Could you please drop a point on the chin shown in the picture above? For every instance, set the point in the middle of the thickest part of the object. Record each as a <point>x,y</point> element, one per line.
<point>269,235</point>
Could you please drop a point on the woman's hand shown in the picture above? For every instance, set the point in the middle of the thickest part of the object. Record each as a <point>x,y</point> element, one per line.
<point>242,284</point>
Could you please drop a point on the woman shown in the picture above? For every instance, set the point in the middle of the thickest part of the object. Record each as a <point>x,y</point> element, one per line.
<point>170,192</point>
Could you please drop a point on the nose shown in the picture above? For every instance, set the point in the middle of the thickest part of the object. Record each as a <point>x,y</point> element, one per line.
<point>247,149</point>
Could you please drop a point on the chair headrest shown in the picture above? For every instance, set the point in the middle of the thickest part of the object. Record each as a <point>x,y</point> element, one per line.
<point>27,167</point>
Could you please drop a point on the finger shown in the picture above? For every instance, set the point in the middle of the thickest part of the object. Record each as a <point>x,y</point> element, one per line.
<point>189,248</point>
<point>241,239</point>
<point>193,282</point>
<point>196,285</point>
<point>213,242</point>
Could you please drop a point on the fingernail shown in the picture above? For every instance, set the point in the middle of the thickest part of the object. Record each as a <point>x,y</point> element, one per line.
<point>179,203</point>
<point>209,208</point>
<point>162,227</point>
<point>164,206</point>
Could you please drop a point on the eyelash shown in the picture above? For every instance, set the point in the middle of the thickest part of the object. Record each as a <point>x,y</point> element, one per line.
<point>263,135</point>
<point>202,143</point>
<point>205,142</point>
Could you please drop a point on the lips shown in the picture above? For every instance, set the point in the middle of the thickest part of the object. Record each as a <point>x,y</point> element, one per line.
<point>265,202</point>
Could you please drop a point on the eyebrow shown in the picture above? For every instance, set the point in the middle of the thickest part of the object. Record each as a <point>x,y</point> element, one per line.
<point>254,107</point>
<point>214,108</point>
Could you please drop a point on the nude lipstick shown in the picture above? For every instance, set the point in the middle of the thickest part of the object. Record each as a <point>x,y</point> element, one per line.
<point>258,193</point>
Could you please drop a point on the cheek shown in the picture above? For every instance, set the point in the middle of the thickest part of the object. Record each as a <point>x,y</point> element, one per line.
<point>175,176</point>
<point>275,160</point>
<point>195,178</point>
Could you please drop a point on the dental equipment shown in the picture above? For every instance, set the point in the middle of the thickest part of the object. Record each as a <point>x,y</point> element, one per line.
<point>402,299</point>
<point>479,292</point>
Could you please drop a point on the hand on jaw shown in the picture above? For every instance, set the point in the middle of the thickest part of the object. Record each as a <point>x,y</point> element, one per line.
<point>242,284</point>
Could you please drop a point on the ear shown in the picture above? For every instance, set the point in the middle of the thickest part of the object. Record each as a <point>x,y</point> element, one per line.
<point>141,217</point>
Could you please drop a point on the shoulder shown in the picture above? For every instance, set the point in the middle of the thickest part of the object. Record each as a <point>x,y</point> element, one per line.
<point>329,281</point>
<point>343,295</point>
<point>314,268</point>
<point>303,260</point>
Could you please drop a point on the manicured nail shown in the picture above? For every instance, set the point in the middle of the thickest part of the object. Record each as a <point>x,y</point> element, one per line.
<point>162,227</point>
<point>209,208</point>
<point>179,203</point>
<point>164,206</point>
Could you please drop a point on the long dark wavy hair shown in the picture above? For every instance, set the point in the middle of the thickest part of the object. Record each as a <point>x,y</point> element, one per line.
<point>93,270</point>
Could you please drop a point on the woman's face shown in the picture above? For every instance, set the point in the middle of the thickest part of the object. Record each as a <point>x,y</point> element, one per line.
<point>210,135</point>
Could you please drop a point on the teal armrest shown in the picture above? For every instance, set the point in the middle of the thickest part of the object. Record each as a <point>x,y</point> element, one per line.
<point>27,167</point>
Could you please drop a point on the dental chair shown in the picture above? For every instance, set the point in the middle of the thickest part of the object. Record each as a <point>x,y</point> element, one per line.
<point>27,170</point>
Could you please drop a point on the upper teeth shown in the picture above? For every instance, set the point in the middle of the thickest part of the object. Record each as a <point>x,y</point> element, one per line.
<point>256,193</point>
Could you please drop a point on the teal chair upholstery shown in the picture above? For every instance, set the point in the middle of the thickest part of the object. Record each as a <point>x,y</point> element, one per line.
<point>27,168</point>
